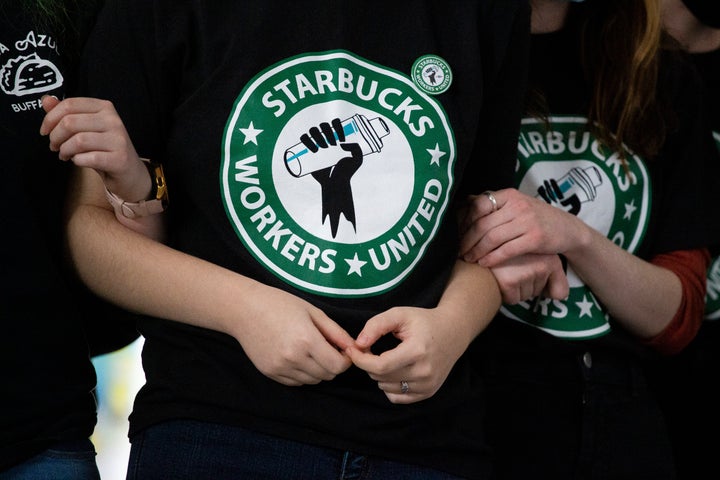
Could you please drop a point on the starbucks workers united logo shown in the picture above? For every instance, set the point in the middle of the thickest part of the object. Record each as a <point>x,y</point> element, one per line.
<point>567,167</point>
<point>336,172</point>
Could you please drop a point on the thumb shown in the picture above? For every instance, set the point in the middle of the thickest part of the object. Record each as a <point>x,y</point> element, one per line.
<point>333,332</point>
<point>387,322</point>
<point>49,102</point>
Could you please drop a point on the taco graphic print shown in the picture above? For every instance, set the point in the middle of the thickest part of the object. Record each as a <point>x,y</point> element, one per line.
<point>30,67</point>
<point>336,172</point>
<point>563,164</point>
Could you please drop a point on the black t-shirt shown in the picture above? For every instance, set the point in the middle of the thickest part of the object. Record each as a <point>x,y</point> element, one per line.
<point>52,324</point>
<point>708,64</point>
<point>428,97</point>
<point>657,206</point>
<point>46,370</point>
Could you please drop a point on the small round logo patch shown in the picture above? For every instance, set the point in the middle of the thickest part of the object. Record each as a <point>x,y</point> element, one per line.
<point>432,74</point>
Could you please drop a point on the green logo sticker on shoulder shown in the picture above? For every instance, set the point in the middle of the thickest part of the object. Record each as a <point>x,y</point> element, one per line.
<point>565,166</point>
<point>336,173</point>
<point>432,74</point>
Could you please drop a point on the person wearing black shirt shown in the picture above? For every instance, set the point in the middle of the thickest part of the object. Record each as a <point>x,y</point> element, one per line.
<point>308,315</point>
<point>613,167</point>
<point>686,382</point>
<point>52,325</point>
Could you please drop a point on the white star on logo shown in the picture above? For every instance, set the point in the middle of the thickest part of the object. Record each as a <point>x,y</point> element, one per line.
<point>585,307</point>
<point>250,133</point>
<point>629,210</point>
<point>435,154</point>
<point>355,265</point>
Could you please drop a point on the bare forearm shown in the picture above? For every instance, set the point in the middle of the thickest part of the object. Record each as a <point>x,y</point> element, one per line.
<point>143,275</point>
<point>642,296</point>
<point>471,297</point>
<point>146,276</point>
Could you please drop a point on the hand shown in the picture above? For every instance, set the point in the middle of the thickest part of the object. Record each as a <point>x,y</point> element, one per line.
<point>429,347</point>
<point>528,276</point>
<point>90,133</point>
<point>521,225</point>
<point>293,342</point>
<point>326,136</point>
<point>336,189</point>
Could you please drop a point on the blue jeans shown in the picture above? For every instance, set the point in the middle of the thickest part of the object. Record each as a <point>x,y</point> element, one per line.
<point>188,450</point>
<point>66,461</point>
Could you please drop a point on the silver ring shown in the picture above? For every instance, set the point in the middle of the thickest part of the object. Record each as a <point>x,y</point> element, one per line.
<point>492,199</point>
<point>404,387</point>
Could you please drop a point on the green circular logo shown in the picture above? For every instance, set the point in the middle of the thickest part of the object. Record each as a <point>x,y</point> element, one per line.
<point>336,173</point>
<point>567,167</point>
<point>432,74</point>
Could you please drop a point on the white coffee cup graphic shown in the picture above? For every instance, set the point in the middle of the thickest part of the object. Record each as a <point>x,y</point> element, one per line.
<point>301,161</point>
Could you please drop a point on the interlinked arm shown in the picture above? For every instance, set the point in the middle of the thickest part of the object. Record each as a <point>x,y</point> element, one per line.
<point>288,339</point>
<point>642,296</point>
<point>90,133</point>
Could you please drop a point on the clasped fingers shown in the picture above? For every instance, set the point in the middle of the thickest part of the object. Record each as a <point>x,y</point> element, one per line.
<point>301,362</point>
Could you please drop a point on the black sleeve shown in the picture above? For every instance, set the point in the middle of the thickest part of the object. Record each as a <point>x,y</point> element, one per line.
<point>107,327</point>
<point>119,64</point>
<point>494,156</point>
<point>685,179</point>
<point>112,68</point>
